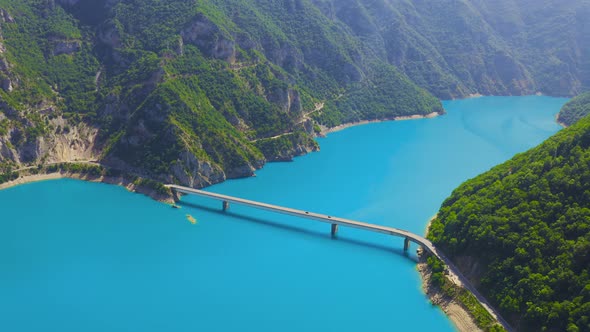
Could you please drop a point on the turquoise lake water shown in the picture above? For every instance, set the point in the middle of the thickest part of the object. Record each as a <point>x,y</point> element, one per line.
<point>77,256</point>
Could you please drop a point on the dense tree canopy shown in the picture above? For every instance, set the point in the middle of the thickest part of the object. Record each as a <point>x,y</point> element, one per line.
<point>575,109</point>
<point>522,232</point>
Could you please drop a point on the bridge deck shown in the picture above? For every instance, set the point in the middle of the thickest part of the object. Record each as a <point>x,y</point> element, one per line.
<point>427,245</point>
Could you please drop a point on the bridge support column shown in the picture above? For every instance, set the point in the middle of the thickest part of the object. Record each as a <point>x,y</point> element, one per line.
<point>175,195</point>
<point>225,205</point>
<point>334,230</point>
<point>406,244</point>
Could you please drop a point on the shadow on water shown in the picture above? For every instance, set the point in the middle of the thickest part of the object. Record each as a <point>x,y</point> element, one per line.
<point>307,232</point>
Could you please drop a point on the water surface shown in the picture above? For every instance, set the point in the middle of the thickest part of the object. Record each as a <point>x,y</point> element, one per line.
<point>83,256</point>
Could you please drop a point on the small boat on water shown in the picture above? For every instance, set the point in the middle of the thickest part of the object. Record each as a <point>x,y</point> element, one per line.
<point>191,219</point>
<point>174,206</point>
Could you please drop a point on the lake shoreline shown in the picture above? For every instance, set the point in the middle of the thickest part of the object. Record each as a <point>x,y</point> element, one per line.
<point>559,122</point>
<point>325,130</point>
<point>122,181</point>
<point>461,317</point>
<point>459,303</point>
<point>169,199</point>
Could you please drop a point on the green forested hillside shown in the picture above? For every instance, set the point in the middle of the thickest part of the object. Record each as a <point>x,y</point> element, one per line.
<point>187,91</point>
<point>575,109</point>
<point>521,232</point>
<point>198,91</point>
<point>458,47</point>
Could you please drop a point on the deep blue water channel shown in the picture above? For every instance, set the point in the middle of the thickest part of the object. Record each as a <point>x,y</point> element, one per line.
<point>77,256</point>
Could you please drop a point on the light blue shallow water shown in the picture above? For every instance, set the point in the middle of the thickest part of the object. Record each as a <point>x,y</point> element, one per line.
<point>78,256</point>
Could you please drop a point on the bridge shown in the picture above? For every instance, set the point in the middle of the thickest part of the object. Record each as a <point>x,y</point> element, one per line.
<point>454,272</point>
<point>333,221</point>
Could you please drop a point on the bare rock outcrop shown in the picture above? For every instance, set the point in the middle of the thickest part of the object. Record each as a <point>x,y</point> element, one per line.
<point>64,144</point>
<point>70,143</point>
<point>6,77</point>
<point>109,35</point>
<point>207,36</point>
<point>5,17</point>
<point>287,98</point>
<point>190,171</point>
<point>66,46</point>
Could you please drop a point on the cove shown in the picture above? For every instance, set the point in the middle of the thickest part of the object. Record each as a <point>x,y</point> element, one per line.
<point>85,256</point>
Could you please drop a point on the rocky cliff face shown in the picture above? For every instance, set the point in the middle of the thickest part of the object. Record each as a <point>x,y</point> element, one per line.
<point>7,79</point>
<point>62,141</point>
<point>207,36</point>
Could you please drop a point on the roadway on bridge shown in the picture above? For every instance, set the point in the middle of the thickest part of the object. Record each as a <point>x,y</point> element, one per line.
<point>426,244</point>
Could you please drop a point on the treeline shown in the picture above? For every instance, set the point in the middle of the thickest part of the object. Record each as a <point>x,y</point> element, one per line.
<point>575,109</point>
<point>8,176</point>
<point>522,230</point>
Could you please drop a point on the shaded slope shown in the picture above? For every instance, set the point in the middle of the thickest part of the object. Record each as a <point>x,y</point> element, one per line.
<point>459,47</point>
<point>575,109</point>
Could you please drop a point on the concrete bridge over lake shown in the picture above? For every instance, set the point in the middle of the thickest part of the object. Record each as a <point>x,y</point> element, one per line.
<point>335,222</point>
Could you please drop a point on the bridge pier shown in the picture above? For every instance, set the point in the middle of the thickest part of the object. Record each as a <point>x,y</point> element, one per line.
<point>225,205</point>
<point>406,244</point>
<point>334,230</point>
<point>175,195</point>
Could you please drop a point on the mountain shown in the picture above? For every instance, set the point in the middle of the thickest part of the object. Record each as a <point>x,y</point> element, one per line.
<point>575,109</point>
<point>195,92</point>
<point>454,48</point>
<point>190,92</point>
<point>521,233</point>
